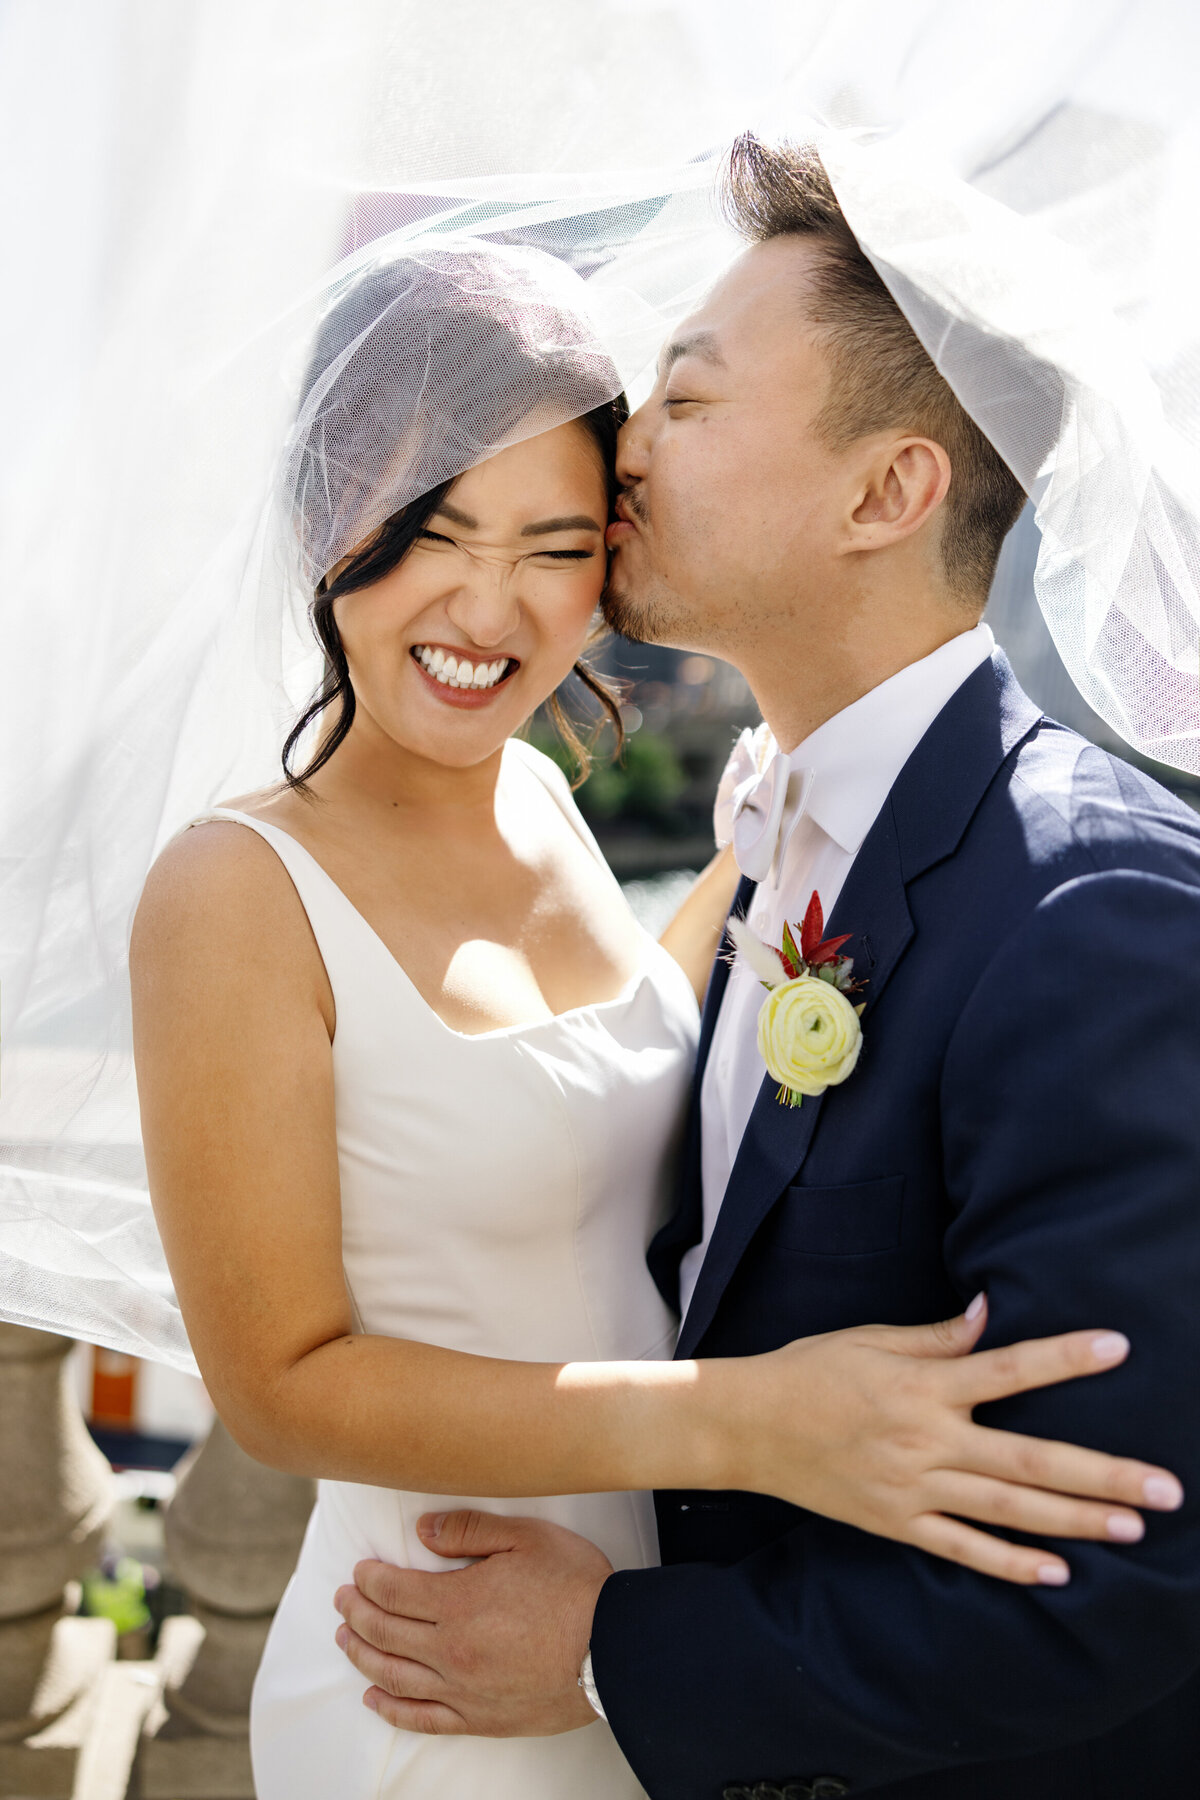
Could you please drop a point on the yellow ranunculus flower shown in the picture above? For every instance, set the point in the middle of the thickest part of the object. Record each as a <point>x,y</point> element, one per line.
<point>808,1035</point>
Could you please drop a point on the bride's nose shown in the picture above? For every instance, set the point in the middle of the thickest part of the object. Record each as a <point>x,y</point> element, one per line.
<point>486,607</point>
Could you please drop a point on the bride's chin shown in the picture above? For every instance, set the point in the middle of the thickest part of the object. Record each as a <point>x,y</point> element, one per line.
<point>457,740</point>
<point>460,747</point>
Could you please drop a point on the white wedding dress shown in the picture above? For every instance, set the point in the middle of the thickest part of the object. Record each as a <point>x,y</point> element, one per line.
<point>498,1194</point>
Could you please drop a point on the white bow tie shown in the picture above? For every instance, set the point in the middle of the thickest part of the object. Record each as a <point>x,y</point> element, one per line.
<point>751,801</point>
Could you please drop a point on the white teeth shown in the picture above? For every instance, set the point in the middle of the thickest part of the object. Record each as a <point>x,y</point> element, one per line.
<point>452,672</point>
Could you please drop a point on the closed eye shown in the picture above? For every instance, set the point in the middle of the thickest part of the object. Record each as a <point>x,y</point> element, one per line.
<point>566,555</point>
<point>435,537</point>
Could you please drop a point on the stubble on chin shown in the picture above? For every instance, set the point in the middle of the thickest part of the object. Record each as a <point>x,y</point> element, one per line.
<point>639,617</point>
<point>637,601</point>
<point>623,616</point>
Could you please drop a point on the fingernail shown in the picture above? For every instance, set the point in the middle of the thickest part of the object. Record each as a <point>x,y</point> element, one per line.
<point>1054,1575</point>
<point>370,1700</point>
<point>1126,1528</point>
<point>341,1636</point>
<point>339,1599</point>
<point>975,1308</point>
<point>431,1528</point>
<point>1110,1346</point>
<point>1162,1491</point>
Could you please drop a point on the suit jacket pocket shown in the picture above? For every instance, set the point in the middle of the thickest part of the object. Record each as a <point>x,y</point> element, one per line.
<point>860,1219</point>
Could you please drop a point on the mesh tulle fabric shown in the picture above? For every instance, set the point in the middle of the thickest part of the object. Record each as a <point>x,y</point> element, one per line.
<point>239,240</point>
<point>427,359</point>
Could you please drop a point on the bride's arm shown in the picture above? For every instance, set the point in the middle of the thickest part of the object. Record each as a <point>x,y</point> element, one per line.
<point>233,1022</point>
<point>233,1025</point>
<point>694,933</point>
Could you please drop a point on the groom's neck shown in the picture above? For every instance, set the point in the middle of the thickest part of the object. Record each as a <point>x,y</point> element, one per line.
<point>804,676</point>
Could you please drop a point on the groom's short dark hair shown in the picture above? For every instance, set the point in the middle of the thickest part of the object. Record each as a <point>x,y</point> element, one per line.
<point>883,377</point>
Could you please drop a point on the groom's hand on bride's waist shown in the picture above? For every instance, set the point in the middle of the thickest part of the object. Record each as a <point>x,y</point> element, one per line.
<point>493,1650</point>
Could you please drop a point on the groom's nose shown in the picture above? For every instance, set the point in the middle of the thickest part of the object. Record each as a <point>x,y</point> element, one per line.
<point>633,447</point>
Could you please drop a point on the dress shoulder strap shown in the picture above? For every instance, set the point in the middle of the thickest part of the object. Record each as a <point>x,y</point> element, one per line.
<point>559,788</point>
<point>335,924</point>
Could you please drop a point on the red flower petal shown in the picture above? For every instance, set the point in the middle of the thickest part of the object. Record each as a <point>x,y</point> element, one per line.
<point>813,926</point>
<point>827,952</point>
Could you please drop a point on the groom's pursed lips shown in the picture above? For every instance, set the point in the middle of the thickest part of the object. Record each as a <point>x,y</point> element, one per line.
<point>629,514</point>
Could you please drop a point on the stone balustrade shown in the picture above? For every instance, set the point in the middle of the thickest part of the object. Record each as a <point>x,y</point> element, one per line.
<point>76,1724</point>
<point>55,1500</point>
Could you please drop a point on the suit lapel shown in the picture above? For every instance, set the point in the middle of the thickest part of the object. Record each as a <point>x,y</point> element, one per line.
<point>921,823</point>
<point>873,906</point>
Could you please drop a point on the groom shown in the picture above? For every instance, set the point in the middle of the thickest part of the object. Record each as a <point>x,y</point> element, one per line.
<point>805,498</point>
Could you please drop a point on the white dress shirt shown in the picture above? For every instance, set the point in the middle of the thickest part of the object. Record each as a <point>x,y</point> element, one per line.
<point>839,778</point>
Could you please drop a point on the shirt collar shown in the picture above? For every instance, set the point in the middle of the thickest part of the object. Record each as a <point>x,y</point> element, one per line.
<point>845,769</point>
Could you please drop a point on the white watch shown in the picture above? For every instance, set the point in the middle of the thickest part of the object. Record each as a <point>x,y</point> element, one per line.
<point>587,1682</point>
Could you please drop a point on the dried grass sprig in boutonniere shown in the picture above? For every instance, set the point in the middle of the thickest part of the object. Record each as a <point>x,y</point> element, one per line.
<point>809,1031</point>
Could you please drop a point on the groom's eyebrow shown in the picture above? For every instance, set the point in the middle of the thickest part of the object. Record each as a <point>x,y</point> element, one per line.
<point>695,343</point>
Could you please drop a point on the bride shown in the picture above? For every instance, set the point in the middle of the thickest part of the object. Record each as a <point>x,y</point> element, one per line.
<point>412,1077</point>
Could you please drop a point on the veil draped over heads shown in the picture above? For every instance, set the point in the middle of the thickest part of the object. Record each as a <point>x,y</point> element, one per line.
<point>427,359</point>
<point>287,267</point>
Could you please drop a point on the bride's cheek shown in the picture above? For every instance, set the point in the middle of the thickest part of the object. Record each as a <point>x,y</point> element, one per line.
<point>565,621</point>
<point>587,596</point>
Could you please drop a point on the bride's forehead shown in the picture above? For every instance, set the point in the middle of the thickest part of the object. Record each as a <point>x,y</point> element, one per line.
<point>523,477</point>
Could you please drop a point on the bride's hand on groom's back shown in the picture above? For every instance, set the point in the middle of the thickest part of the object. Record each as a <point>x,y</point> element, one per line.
<point>888,1443</point>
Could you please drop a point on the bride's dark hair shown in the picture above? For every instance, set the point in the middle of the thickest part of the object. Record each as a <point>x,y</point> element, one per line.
<point>370,405</point>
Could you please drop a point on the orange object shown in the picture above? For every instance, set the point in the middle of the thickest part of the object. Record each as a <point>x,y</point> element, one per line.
<point>114,1388</point>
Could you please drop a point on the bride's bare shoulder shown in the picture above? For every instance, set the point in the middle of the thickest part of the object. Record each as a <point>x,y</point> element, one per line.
<point>217,884</point>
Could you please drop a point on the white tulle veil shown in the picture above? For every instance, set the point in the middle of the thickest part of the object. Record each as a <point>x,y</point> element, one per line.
<point>186,193</point>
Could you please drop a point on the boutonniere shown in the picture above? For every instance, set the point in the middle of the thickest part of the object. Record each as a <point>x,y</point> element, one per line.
<point>809,1033</point>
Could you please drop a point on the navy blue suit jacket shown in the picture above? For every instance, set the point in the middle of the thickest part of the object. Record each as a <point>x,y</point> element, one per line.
<point>1025,1119</point>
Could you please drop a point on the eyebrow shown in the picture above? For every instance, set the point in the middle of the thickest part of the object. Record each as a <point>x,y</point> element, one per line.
<point>446,511</point>
<point>543,527</point>
<point>571,522</point>
<point>697,343</point>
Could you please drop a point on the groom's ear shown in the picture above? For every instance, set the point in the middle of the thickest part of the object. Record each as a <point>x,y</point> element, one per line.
<point>899,485</point>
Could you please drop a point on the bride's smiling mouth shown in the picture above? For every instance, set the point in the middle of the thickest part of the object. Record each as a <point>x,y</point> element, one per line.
<point>459,679</point>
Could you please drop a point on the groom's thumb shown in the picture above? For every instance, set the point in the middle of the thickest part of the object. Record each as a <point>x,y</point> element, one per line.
<point>466,1533</point>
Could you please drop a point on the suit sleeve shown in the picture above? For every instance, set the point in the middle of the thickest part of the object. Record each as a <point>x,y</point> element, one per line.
<point>1070,1107</point>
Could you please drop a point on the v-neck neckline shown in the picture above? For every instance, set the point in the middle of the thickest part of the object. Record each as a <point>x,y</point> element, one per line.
<point>650,947</point>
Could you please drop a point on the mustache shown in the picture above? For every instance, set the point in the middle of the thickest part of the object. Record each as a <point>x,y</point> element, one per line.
<point>634,500</point>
